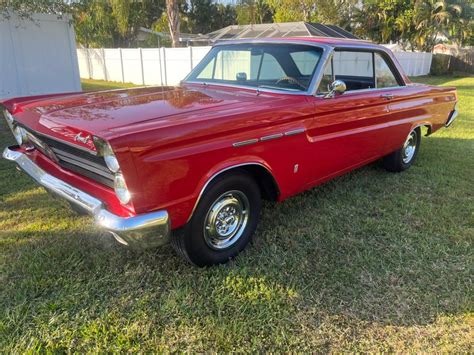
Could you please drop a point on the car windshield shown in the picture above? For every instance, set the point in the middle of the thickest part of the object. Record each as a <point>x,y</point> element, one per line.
<point>288,67</point>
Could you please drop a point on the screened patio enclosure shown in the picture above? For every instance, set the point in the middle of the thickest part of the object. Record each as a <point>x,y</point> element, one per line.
<point>278,30</point>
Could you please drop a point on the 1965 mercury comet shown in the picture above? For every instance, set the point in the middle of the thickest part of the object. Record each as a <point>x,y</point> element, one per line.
<point>260,119</point>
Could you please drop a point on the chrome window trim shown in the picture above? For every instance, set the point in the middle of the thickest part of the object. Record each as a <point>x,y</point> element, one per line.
<point>316,78</point>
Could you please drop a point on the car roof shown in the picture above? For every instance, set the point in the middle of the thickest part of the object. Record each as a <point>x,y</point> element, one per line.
<point>328,41</point>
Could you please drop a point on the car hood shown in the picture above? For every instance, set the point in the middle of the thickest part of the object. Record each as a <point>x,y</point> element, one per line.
<point>106,112</point>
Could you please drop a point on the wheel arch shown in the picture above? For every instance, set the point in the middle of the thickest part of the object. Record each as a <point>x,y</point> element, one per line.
<point>260,171</point>
<point>420,125</point>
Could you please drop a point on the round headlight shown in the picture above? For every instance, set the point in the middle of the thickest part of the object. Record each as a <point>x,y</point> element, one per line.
<point>20,135</point>
<point>121,189</point>
<point>110,159</point>
<point>112,163</point>
<point>105,150</point>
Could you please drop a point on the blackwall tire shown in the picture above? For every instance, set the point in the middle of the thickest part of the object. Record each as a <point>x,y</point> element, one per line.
<point>403,158</point>
<point>223,223</point>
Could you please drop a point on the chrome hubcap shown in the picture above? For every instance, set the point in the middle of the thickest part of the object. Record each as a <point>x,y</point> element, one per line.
<point>226,220</point>
<point>409,147</point>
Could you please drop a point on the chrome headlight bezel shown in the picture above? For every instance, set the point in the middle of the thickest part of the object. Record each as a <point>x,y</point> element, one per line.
<point>8,117</point>
<point>111,160</point>
<point>121,190</point>
<point>105,150</point>
<point>120,187</point>
<point>19,134</point>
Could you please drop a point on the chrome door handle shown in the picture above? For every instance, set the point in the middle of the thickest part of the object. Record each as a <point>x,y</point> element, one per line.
<point>387,96</point>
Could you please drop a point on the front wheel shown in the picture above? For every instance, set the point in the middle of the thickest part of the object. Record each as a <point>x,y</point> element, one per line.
<point>223,222</point>
<point>404,157</point>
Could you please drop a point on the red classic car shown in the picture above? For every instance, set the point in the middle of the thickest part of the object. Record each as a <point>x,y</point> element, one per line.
<point>259,119</point>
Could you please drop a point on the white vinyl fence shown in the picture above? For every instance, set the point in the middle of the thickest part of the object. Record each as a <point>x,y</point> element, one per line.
<point>415,63</point>
<point>143,66</point>
<point>168,66</point>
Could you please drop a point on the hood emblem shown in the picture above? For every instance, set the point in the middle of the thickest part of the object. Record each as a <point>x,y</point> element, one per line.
<point>80,138</point>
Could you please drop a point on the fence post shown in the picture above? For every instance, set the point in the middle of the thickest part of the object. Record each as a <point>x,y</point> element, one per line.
<point>89,65</point>
<point>191,56</point>
<point>121,65</point>
<point>141,66</point>
<point>164,64</point>
<point>105,65</point>
<point>161,71</point>
<point>430,61</point>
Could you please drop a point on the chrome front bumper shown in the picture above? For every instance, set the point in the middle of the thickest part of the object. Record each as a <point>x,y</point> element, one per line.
<point>145,230</point>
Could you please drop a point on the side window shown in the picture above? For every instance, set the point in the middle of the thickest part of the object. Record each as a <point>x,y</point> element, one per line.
<point>383,74</point>
<point>326,79</point>
<point>355,68</point>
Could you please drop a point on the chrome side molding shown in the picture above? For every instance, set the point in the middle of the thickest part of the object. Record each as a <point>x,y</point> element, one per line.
<point>247,142</point>
<point>272,136</point>
<point>269,137</point>
<point>295,131</point>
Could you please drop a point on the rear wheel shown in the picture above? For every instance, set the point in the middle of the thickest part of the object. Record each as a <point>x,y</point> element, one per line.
<point>404,157</point>
<point>223,222</point>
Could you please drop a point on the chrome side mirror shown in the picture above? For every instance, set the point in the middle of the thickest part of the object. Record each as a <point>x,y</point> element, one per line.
<point>241,76</point>
<point>337,87</point>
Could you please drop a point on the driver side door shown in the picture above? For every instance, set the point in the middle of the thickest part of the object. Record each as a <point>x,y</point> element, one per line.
<point>348,130</point>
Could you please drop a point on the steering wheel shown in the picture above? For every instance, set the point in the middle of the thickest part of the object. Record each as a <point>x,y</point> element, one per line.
<point>291,80</point>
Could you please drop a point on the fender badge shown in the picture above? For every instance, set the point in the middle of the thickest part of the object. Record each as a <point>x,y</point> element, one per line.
<point>80,138</point>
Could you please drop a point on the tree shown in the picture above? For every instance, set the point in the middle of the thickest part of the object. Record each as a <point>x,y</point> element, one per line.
<point>415,23</point>
<point>337,12</point>
<point>253,11</point>
<point>93,24</point>
<point>450,18</point>
<point>379,19</point>
<point>202,15</point>
<point>113,22</point>
<point>24,8</point>
<point>226,16</point>
<point>293,10</point>
<point>172,10</point>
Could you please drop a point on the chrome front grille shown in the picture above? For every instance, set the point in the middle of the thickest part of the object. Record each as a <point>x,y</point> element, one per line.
<point>73,158</point>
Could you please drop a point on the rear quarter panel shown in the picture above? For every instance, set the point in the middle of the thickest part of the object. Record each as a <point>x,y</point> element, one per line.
<point>415,105</point>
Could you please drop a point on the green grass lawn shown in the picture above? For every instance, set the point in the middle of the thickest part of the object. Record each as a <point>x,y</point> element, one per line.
<point>372,261</point>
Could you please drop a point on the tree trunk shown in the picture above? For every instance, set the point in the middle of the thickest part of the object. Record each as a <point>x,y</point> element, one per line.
<point>172,10</point>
